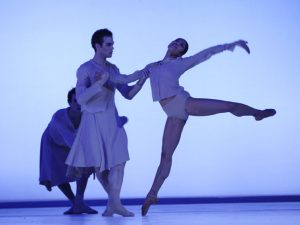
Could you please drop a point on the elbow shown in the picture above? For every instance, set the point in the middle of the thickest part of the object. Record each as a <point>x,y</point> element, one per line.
<point>126,95</point>
<point>129,94</point>
<point>129,97</point>
<point>208,55</point>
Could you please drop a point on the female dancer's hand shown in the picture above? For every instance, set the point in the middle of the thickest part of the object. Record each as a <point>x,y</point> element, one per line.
<point>242,44</point>
<point>102,77</point>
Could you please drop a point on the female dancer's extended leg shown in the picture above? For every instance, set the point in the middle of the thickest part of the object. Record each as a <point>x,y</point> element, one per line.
<point>171,137</point>
<point>207,107</point>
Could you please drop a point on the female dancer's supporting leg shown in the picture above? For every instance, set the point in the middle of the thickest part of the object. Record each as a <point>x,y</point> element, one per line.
<point>172,133</point>
<point>174,127</point>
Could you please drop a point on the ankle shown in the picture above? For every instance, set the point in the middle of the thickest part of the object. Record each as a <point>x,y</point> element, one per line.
<point>152,194</point>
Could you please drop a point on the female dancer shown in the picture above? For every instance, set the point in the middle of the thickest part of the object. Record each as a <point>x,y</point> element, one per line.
<point>178,104</point>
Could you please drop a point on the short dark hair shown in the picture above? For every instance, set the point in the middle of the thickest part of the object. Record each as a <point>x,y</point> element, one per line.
<point>98,35</point>
<point>70,94</point>
<point>186,47</point>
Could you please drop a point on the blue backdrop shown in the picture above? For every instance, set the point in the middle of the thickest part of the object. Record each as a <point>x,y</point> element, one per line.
<point>43,42</point>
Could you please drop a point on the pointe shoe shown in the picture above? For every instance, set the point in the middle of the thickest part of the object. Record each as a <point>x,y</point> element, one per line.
<point>148,202</point>
<point>264,114</point>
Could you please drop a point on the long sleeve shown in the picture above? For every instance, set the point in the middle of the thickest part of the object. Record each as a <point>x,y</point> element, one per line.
<point>55,146</point>
<point>127,91</point>
<point>124,79</point>
<point>61,131</point>
<point>189,62</point>
<point>124,89</point>
<point>85,91</point>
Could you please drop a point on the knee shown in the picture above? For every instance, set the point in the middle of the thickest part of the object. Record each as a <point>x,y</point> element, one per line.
<point>120,167</point>
<point>236,109</point>
<point>165,175</point>
<point>166,157</point>
<point>232,106</point>
<point>85,176</point>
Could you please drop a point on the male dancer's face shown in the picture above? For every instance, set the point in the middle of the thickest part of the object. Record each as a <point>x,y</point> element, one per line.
<point>107,47</point>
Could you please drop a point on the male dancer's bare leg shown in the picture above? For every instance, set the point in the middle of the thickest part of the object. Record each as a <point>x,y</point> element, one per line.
<point>67,191</point>
<point>79,206</point>
<point>103,179</point>
<point>115,180</point>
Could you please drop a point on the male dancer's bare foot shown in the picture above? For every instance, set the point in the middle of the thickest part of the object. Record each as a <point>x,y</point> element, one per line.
<point>120,210</point>
<point>264,114</point>
<point>89,210</point>
<point>69,211</point>
<point>148,202</point>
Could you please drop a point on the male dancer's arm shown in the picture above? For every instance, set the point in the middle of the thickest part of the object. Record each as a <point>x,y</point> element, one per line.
<point>129,92</point>
<point>124,79</point>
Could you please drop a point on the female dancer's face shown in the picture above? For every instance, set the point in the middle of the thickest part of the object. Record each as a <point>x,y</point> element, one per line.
<point>176,47</point>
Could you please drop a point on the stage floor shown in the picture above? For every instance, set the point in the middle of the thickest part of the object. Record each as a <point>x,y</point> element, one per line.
<point>189,214</point>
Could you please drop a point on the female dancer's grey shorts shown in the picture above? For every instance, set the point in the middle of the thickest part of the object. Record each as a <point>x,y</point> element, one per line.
<point>176,107</point>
